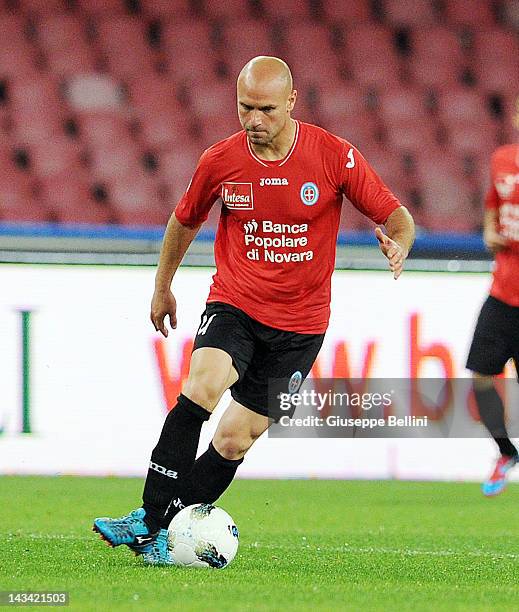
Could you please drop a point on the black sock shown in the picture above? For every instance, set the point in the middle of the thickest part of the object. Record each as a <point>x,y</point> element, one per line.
<point>210,476</point>
<point>492,413</point>
<point>172,458</point>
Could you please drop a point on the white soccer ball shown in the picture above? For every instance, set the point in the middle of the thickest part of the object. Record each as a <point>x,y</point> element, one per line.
<point>203,535</point>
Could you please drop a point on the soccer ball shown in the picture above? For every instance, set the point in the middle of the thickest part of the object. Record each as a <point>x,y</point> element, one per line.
<point>202,535</point>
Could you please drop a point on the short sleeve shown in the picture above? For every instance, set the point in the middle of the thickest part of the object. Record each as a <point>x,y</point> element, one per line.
<point>364,188</point>
<point>202,192</point>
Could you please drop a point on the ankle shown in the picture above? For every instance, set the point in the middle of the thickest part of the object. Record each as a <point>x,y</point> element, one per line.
<point>152,518</point>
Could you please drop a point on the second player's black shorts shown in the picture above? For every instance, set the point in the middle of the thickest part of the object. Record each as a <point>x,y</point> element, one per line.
<point>496,338</point>
<point>258,352</point>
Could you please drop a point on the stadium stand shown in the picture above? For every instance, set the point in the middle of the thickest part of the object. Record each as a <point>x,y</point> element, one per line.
<point>105,105</point>
<point>398,13</point>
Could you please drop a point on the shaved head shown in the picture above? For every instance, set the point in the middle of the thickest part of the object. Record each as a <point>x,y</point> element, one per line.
<point>266,98</point>
<point>266,69</point>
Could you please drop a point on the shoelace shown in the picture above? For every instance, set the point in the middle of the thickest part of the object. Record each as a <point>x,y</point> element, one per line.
<point>122,527</point>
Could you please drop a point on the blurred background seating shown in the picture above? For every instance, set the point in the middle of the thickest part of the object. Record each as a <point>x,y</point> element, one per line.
<point>105,105</point>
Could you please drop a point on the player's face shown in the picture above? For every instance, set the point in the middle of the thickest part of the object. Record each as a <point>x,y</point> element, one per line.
<point>264,111</point>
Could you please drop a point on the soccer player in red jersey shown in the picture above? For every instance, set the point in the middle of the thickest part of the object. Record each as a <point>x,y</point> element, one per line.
<point>496,337</point>
<point>280,184</point>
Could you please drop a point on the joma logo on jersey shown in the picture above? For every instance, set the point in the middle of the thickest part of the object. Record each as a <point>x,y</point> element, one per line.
<point>238,196</point>
<point>273,181</point>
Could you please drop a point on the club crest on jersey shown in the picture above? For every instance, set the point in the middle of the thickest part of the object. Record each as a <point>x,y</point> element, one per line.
<point>238,196</point>
<point>309,194</point>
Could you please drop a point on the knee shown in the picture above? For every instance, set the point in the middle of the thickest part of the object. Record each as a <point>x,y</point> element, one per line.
<point>211,373</point>
<point>232,445</point>
<point>482,382</point>
<point>204,393</point>
<point>204,389</point>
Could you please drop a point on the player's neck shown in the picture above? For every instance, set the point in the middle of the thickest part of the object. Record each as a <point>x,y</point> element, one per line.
<point>280,146</point>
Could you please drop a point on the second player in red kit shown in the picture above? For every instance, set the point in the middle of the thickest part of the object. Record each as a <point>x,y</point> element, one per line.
<point>496,337</point>
<point>280,185</point>
<point>502,218</point>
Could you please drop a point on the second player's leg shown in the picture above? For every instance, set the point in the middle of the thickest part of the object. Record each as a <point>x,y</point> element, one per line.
<point>491,347</point>
<point>482,382</point>
<point>492,414</point>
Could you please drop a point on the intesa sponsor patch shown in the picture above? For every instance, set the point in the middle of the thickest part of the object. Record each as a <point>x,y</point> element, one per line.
<point>238,196</point>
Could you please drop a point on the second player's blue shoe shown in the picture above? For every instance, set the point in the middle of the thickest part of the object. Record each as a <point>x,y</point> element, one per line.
<point>130,530</point>
<point>158,553</point>
<point>497,482</point>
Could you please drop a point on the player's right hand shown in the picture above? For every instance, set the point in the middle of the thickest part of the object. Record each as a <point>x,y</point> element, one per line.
<point>163,304</point>
<point>494,242</point>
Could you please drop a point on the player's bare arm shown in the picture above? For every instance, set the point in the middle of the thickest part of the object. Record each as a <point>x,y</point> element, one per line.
<point>177,239</point>
<point>399,239</point>
<point>494,241</point>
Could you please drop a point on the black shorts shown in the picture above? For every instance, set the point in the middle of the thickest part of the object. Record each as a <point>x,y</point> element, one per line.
<point>258,352</point>
<point>496,338</point>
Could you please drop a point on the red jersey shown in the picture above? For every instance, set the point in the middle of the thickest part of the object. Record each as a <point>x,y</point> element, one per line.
<point>503,196</point>
<point>275,243</point>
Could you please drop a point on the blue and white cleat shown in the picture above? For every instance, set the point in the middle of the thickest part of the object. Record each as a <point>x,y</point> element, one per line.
<point>130,530</point>
<point>158,553</point>
<point>497,482</point>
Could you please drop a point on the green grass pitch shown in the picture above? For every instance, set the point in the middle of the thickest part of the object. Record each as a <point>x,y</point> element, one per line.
<point>304,545</point>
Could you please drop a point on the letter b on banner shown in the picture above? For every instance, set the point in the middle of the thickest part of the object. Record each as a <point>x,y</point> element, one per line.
<point>418,354</point>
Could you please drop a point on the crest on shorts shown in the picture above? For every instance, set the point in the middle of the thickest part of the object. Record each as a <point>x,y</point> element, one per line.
<point>309,193</point>
<point>295,382</point>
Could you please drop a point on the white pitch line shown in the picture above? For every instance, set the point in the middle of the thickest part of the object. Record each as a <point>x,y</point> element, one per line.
<point>367,550</point>
<point>49,536</point>
<point>391,551</point>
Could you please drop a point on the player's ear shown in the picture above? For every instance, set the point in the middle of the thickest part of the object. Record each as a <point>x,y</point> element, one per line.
<point>291,102</point>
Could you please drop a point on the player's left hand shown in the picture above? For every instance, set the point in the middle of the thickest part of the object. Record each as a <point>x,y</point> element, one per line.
<point>393,251</point>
